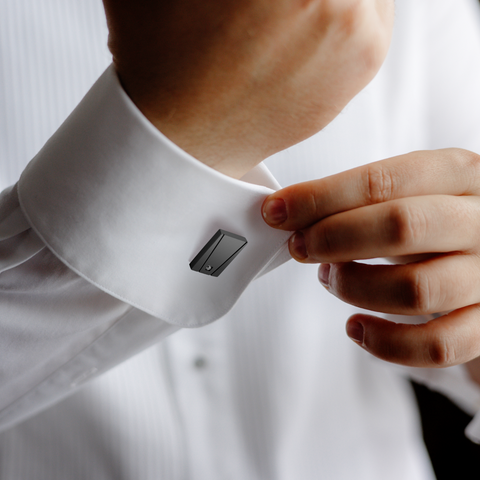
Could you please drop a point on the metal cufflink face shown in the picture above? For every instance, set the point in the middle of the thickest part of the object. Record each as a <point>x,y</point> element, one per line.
<point>218,253</point>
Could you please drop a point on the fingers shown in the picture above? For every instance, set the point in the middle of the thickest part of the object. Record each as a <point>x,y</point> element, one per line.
<point>437,285</point>
<point>423,202</point>
<point>435,223</point>
<point>448,172</point>
<point>446,341</point>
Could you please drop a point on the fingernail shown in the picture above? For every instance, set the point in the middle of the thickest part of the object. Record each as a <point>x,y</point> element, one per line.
<point>355,332</point>
<point>297,246</point>
<point>324,273</point>
<point>275,211</point>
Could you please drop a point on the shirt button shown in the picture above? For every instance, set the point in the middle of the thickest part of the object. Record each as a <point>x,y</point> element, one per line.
<point>200,362</point>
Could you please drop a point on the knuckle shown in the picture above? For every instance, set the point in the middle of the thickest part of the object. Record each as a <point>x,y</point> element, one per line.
<point>372,55</point>
<point>472,161</point>
<point>464,157</point>
<point>380,184</point>
<point>356,22</point>
<point>441,352</point>
<point>313,204</point>
<point>327,244</point>
<point>351,15</point>
<point>466,165</point>
<point>417,297</point>
<point>407,225</point>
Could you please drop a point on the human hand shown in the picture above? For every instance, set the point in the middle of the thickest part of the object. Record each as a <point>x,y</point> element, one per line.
<point>424,203</point>
<point>234,81</point>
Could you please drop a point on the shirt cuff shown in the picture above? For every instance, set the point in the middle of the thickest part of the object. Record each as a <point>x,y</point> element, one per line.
<point>128,210</point>
<point>456,384</point>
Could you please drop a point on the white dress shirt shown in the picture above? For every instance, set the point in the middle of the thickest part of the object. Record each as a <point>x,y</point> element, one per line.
<point>95,244</point>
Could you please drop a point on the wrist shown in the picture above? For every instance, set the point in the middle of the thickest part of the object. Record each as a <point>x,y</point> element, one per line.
<point>217,135</point>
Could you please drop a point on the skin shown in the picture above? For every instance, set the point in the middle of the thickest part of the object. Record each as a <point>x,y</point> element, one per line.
<point>234,81</point>
<point>422,210</point>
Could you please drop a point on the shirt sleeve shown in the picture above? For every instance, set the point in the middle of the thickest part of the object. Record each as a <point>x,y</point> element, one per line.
<point>456,384</point>
<point>95,245</point>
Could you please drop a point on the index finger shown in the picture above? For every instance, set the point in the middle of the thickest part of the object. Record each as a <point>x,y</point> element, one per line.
<point>450,171</point>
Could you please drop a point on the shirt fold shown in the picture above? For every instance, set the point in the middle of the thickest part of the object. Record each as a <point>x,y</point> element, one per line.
<point>128,210</point>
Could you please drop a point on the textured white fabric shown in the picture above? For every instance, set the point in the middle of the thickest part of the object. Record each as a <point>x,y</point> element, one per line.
<point>274,389</point>
<point>103,194</point>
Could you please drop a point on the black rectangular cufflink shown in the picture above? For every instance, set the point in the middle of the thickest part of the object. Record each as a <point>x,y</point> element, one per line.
<point>218,253</point>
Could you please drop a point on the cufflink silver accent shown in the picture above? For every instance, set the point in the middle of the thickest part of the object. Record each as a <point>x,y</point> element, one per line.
<point>218,253</point>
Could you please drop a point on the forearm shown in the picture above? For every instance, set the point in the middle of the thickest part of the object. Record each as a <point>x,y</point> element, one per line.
<point>234,82</point>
